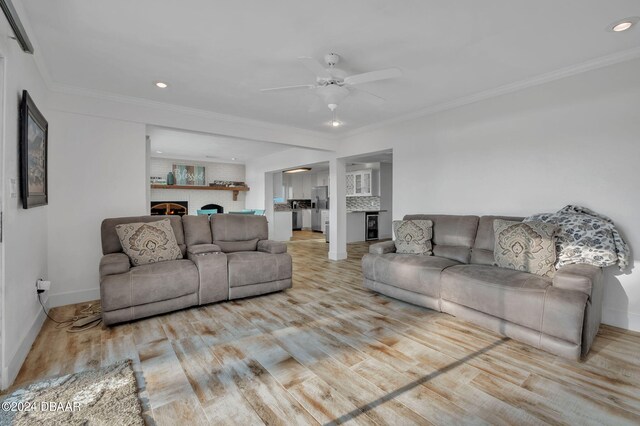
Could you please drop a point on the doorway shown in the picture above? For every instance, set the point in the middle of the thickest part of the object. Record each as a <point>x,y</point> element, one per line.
<point>301,202</point>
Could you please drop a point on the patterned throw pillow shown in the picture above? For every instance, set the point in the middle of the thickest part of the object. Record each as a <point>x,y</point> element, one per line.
<point>525,246</point>
<point>413,236</point>
<point>149,242</point>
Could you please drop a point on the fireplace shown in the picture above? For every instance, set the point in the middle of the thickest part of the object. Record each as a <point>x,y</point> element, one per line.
<point>169,208</point>
<point>212,207</point>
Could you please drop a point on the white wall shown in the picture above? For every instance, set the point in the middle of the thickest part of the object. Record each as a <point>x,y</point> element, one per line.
<point>25,231</point>
<point>572,141</point>
<point>96,170</point>
<point>196,199</point>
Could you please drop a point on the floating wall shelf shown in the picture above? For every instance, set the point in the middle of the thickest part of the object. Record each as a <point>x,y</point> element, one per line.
<point>236,189</point>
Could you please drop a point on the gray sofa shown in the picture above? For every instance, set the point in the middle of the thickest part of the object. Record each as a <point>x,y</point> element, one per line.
<point>560,315</point>
<point>227,257</point>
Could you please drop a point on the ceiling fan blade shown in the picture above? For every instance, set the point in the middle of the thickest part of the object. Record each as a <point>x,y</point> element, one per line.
<point>284,88</point>
<point>315,67</point>
<point>367,97</point>
<point>368,77</point>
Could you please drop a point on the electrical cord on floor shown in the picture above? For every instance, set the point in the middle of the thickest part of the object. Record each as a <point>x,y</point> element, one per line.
<point>89,317</point>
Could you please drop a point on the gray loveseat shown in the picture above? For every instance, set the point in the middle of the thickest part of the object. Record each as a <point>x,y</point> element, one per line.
<point>560,315</point>
<point>227,257</point>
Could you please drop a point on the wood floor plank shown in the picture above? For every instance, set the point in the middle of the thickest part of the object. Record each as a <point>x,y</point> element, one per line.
<point>363,394</point>
<point>330,351</point>
<point>268,398</point>
<point>411,392</point>
<point>165,380</point>
<point>181,411</point>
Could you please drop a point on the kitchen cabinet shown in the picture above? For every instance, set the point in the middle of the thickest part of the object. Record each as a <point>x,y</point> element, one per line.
<point>306,218</point>
<point>296,183</point>
<point>298,186</point>
<point>287,186</point>
<point>356,227</point>
<point>307,184</point>
<point>282,226</point>
<point>362,183</point>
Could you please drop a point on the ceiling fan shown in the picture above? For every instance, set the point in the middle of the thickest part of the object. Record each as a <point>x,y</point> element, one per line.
<point>334,85</point>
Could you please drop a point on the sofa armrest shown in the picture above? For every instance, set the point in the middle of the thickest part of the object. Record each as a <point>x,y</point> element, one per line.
<point>114,264</point>
<point>580,277</point>
<point>273,247</point>
<point>201,249</point>
<point>383,247</point>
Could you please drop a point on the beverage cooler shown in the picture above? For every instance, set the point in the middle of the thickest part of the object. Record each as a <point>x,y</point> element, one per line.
<point>371,226</point>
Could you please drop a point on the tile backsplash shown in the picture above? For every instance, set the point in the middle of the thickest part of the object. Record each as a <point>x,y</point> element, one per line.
<point>363,203</point>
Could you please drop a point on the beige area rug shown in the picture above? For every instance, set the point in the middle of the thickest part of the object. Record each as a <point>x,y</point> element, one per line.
<point>105,396</point>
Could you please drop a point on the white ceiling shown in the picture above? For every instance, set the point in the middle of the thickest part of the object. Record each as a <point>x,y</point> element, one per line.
<point>182,145</point>
<point>216,55</point>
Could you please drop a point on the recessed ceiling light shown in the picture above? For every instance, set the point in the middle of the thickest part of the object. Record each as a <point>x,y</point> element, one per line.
<point>161,84</point>
<point>233,158</point>
<point>623,24</point>
<point>335,123</point>
<point>159,152</point>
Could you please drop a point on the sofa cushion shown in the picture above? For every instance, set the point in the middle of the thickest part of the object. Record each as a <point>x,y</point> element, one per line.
<point>255,267</point>
<point>413,236</point>
<point>196,230</point>
<point>453,235</point>
<point>146,243</point>
<point>528,247</point>
<point>238,227</point>
<point>149,283</point>
<point>420,274</point>
<point>111,241</point>
<point>504,293</point>
<point>482,251</point>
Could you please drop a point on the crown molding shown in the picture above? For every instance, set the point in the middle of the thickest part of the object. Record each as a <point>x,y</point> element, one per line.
<point>54,87</point>
<point>561,73</point>
<point>601,62</point>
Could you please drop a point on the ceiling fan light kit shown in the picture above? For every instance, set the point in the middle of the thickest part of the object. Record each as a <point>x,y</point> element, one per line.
<point>334,85</point>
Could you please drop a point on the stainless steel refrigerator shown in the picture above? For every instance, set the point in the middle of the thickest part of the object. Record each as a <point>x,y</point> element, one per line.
<point>319,201</point>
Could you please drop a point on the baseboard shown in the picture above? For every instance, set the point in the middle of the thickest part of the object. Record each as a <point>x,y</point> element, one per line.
<point>71,297</point>
<point>621,319</point>
<point>15,362</point>
<point>337,256</point>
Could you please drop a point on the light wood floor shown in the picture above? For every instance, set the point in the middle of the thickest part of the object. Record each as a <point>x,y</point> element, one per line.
<point>329,351</point>
<point>306,235</point>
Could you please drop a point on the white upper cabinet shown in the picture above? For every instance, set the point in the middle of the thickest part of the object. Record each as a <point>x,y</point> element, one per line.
<point>362,183</point>
<point>298,186</point>
<point>308,181</point>
<point>296,181</point>
<point>351,186</point>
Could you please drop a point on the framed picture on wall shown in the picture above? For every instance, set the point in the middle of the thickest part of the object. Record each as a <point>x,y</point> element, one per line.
<point>34,131</point>
<point>189,175</point>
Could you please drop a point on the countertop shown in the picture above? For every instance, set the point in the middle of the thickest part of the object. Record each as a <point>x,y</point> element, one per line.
<point>365,211</point>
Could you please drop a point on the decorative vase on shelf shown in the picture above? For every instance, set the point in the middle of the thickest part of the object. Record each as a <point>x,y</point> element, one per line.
<point>171,179</point>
